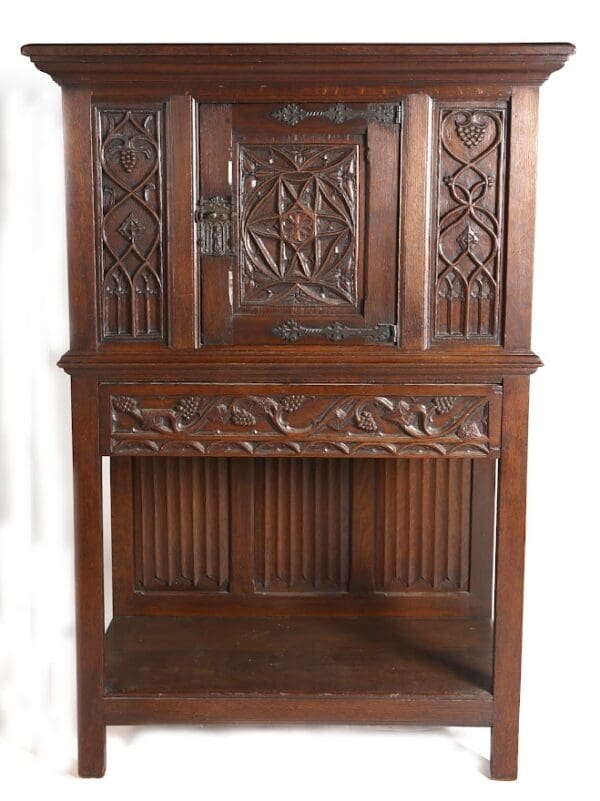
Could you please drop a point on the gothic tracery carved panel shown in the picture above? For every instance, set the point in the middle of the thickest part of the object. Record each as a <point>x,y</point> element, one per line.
<point>298,206</point>
<point>468,238</point>
<point>130,223</point>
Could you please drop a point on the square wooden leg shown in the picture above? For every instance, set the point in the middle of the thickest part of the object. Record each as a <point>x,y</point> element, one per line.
<point>89,579</point>
<point>91,747</point>
<point>510,563</point>
<point>504,751</point>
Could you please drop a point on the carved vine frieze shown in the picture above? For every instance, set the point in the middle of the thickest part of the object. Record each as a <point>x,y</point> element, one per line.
<point>468,255</point>
<point>298,211</point>
<point>130,223</point>
<point>301,423</point>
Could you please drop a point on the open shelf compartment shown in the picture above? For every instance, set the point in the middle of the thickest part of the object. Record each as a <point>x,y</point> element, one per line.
<point>365,669</point>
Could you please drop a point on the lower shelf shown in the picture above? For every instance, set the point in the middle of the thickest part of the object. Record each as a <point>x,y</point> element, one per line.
<point>303,669</point>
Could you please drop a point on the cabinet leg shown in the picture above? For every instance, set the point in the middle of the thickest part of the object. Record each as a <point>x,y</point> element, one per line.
<point>91,758</point>
<point>510,563</point>
<point>504,752</point>
<point>89,576</point>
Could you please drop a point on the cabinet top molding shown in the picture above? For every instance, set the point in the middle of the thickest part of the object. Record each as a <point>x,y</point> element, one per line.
<point>382,67</point>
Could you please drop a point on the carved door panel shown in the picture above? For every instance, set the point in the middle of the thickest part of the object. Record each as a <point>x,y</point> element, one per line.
<point>298,223</point>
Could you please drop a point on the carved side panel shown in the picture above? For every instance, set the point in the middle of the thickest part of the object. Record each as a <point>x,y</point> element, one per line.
<point>298,209</point>
<point>468,260</point>
<point>422,525</point>
<point>181,523</point>
<point>130,222</point>
<point>301,525</point>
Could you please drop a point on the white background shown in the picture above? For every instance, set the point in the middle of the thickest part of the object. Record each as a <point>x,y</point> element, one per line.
<point>560,669</point>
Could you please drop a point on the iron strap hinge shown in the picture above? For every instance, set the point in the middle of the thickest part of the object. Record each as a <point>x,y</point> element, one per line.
<point>338,113</point>
<point>292,330</point>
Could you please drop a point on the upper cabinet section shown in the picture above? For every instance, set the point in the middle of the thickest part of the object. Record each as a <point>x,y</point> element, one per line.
<point>283,202</point>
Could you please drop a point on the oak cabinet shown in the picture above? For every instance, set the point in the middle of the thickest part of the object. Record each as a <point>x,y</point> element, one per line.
<point>300,304</point>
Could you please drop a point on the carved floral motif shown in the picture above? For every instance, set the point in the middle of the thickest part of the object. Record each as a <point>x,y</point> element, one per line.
<point>301,424</point>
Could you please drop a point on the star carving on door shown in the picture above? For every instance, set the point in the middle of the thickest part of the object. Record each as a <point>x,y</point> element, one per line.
<point>298,209</point>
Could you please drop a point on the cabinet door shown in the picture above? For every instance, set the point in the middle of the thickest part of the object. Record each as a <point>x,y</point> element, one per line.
<point>298,223</point>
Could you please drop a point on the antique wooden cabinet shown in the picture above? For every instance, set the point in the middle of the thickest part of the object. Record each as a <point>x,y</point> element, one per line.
<point>300,293</point>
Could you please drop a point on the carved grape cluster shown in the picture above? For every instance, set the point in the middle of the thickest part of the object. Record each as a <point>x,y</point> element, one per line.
<point>125,404</point>
<point>291,403</point>
<point>127,159</point>
<point>366,422</point>
<point>444,403</point>
<point>188,408</point>
<point>471,134</point>
<point>242,417</point>
<point>469,430</point>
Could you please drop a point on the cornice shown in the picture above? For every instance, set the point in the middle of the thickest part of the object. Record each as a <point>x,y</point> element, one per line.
<point>270,67</point>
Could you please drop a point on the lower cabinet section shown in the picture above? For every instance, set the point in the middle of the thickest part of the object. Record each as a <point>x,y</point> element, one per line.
<point>295,535</point>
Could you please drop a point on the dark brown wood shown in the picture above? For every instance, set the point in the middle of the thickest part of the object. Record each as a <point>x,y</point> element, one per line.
<point>510,556</point>
<point>483,518</point>
<point>467,241</point>
<point>243,514</point>
<point>341,71</point>
<point>307,657</point>
<point>422,525</point>
<point>293,528</point>
<point>312,209</point>
<point>89,578</point>
<point>415,216</point>
<point>77,115</point>
<point>214,122</point>
<point>461,421</point>
<point>435,711</point>
<point>317,252</point>
<point>129,155</point>
<point>183,311</point>
<point>301,526</point>
<point>362,517</point>
<point>181,524</point>
<point>520,218</point>
<point>124,508</point>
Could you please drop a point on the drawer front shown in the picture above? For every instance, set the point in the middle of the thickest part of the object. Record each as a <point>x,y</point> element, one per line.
<point>301,420</point>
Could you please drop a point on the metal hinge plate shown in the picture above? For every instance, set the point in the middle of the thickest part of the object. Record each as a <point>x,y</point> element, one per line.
<point>292,330</point>
<point>214,218</point>
<point>338,113</point>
